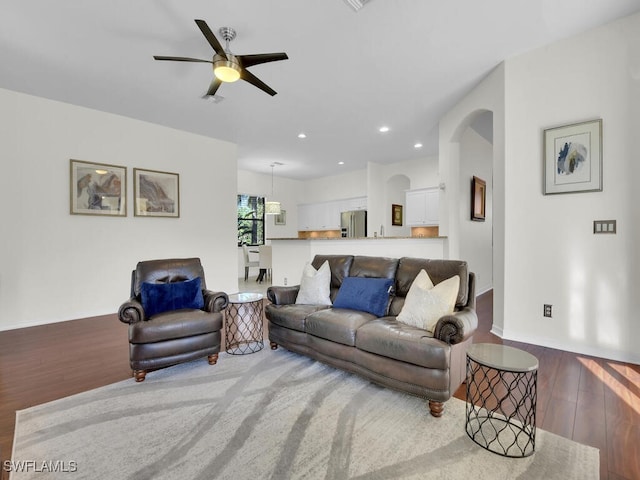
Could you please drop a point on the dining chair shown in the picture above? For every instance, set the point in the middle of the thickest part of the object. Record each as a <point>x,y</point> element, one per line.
<point>265,260</point>
<point>248,263</point>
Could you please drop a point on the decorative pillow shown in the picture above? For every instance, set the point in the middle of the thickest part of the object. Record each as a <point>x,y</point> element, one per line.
<point>426,303</point>
<point>315,285</point>
<point>365,294</point>
<point>162,297</point>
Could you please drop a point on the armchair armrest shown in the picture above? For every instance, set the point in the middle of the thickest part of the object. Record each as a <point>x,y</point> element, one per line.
<point>457,327</point>
<point>131,311</point>
<point>215,301</point>
<point>283,295</point>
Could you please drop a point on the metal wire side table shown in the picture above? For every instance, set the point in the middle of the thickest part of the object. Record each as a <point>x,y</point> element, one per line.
<point>501,399</point>
<point>243,324</point>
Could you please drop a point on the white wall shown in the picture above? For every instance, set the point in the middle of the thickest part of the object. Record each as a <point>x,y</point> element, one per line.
<point>476,242</point>
<point>335,187</point>
<point>553,256</point>
<point>487,96</point>
<point>544,248</point>
<point>56,266</point>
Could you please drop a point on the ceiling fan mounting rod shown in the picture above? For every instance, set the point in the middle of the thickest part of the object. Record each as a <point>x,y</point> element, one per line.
<point>228,34</point>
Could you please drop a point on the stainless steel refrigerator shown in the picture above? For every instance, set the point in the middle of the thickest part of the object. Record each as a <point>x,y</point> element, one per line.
<point>354,223</point>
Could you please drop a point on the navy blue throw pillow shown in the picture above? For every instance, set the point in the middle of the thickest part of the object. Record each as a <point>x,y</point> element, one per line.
<point>162,297</point>
<point>365,294</point>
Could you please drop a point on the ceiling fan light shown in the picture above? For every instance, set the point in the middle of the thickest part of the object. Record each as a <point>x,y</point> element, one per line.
<point>226,71</point>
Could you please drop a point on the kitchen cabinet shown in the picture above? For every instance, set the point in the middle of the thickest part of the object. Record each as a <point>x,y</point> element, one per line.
<point>326,215</point>
<point>422,206</point>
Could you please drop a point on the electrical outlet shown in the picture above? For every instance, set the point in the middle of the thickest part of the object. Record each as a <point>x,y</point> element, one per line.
<point>547,310</point>
<point>285,280</point>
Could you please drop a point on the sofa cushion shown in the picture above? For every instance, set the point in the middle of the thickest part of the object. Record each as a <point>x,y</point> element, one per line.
<point>337,324</point>
<point>365,294</point>
<point>389,338</point>
<point>314,285</point>
<point>373,267</point>
<point>175,324</point>
<point>339,265</point>
<point>438,271</point>
<point>162,297</point>
<point>291,316</point>
<point>426,303</point>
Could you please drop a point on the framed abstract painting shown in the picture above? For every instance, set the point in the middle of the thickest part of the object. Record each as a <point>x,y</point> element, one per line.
<point>156,194</point>
<point>97,189</point>
<point>573,158</point>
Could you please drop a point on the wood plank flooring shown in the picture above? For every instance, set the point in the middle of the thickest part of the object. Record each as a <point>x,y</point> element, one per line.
<point>590,400</point>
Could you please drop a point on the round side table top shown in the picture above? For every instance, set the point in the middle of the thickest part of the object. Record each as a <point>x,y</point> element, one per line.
<point>502,357</point>
<point>245,297</point>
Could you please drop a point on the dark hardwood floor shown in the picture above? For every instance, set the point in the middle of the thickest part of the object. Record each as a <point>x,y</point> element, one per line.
<point>590,400</point>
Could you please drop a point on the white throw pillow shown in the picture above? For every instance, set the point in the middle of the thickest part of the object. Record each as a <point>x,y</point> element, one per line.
<point>315,285</point>
<point>425,304</point>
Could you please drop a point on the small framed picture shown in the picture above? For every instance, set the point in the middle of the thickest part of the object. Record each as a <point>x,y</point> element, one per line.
<point>97,189</point>
<point>478,199</point>
<point>396,215</point>
<point>156,194</point>
<point>281,218</point>
<point>573,158</point>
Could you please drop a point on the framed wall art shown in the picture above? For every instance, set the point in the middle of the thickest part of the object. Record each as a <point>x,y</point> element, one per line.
<point>156,194</point>
<point>573,158</point>
<point>281,218</point>
<point>396,215</point>
<point>478,199</point>
<point>97,189</point>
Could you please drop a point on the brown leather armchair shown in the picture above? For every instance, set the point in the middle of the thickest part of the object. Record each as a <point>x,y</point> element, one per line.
<point>182,320</point>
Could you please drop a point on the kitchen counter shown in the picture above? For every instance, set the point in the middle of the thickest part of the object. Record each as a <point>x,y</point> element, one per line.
<point>354,238</point>
<point>291,254</point>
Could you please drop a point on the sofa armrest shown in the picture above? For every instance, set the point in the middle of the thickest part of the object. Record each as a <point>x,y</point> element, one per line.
<point>283,295</point>
<point>131,311</point>
<point>215,301</point>
<point>457,327</point>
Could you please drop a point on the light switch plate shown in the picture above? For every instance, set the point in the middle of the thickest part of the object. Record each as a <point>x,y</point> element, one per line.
<point>604,226</point>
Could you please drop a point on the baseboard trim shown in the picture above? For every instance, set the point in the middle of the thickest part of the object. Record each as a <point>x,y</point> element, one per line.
<point>588,350</point>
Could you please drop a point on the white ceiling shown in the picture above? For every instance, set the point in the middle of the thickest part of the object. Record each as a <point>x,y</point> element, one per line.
<point>401,63</point>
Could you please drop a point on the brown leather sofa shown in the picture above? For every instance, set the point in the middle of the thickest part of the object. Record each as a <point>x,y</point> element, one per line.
<point>385,351</point>
<point>174,336</point>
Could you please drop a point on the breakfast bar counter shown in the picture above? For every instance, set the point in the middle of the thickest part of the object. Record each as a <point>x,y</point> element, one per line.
<point>291,254</point>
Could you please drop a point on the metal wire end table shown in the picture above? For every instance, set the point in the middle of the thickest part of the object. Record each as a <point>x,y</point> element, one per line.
<point>501,399</point>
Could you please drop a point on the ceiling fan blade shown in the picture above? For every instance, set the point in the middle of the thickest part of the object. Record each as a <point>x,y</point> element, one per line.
<point>211,38</point>
<point>247,76</point>
<point>215,84</point>
<point>250,60</point>
<point>181,59</point>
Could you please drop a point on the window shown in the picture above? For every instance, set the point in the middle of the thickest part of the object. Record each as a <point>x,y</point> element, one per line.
<point>250,220</point>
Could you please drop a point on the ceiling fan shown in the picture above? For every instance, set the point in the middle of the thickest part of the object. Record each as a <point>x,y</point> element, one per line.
<point>228,67</point>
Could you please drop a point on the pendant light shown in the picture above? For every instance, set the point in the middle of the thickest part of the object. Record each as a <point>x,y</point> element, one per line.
<point>272,208</point>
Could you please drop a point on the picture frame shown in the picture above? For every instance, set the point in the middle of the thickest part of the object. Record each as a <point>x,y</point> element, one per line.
<point>281,218</point>
<point>573,158</point>
<point>478,199</point>
<point>97,189</point>
<point>156,193</point>
<point>396,215</point>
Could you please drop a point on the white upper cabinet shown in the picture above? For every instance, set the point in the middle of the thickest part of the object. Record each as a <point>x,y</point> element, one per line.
<point>422,207</point>
<point>326,215</point>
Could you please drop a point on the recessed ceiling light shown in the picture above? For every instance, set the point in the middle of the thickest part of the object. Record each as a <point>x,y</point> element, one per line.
<point>383,129</point>
<point>340,163</point>
<point>302,135</point>
<point>417,145</point>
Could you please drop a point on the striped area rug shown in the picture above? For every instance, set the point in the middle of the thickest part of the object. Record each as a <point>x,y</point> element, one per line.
<point>271,414</point>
